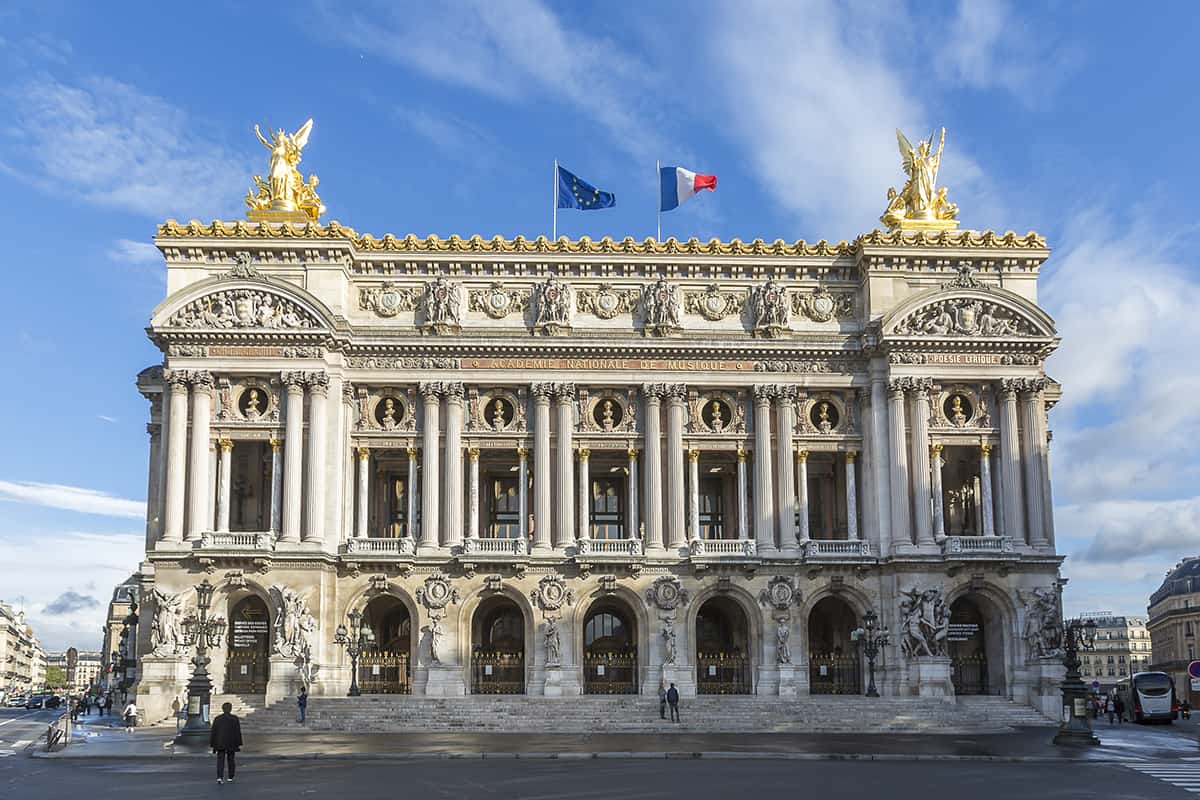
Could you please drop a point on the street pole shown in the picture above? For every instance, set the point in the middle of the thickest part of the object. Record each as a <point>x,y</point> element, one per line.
<point>203,633</point>
<point>871,642</point>
<point>1076,728</point>
<point>354,640</point>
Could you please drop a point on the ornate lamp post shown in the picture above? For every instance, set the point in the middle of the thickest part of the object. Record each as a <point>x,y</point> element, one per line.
<point>871,641</point>
<point>203,632</point>
<point>354,640</point>
<point>1076,728</point>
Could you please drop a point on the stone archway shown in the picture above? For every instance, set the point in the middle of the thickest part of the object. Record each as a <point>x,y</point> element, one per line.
<point>723,644</point>
<point>248,646</point>
<point>386,666</point>
<point>498,647</point>
<point>610,648</point>
<point>975,645</point>
<point>834,664</point>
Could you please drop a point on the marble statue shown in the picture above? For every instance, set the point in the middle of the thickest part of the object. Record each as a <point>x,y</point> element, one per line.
<point>293,623</point>
<point>437,635</point>
<point>166,633</point>
<point>662,306</point>
<point>925,623</point>
<point>769,305</point>
<point>669,643</point>
<point>783,651</point>
<point>553,305</point>
<point>1043,622</point>
<point>442,304</point>
<point>553,642</point>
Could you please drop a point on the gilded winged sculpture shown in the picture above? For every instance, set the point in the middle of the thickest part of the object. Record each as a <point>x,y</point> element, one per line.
<point>284,194</point>
<point>920,204</point>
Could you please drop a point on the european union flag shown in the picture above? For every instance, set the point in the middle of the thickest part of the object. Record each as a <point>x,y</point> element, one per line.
<point>573,192</point>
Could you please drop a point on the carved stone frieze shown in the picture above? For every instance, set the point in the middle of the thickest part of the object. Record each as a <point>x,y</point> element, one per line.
<point>661,309</point>
<point>667,593</point>
<point>807,365</point>
<point>606,302</point>
<point>403,362</point>
<point>387,300</point>
<point>964,316</point>
<point>821,305</point>
<point>769,309</point>
<point>781,594</point>
<point>243,308</point>
<point>498,302</point>
<point>551,594</point>
<point>554,307</point>
<point>713,304</point>
<point>437,593</point>
<point>442,304</point>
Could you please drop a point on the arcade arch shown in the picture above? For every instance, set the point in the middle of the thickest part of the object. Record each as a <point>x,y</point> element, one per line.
<point>723,641</point>
<point>610,650</point>
<point>834,665</point>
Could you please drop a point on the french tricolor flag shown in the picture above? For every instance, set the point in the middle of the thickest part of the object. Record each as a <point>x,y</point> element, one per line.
<point>678,184</point>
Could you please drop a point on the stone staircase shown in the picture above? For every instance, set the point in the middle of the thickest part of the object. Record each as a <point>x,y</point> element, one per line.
<point>637,714</point>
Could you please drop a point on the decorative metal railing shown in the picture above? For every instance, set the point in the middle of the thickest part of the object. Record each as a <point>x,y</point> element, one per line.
<point>722,673</point>
<point>497,673</point>
<point>834,673</point>
<point>610,673</point>
<point>969,674</point>
<point>384,672</point>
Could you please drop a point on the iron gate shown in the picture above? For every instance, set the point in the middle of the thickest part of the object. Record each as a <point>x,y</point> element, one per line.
<point>610,673</point>
<point>384,672</point>
<point>722,673</point>
<point>969,674</point>
<point>497,673</point>
<point>830,673</point>
<point>245,671</point>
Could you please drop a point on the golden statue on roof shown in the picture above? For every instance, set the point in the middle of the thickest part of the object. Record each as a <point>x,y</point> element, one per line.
<point>920,205</point>
<point>284,196</point>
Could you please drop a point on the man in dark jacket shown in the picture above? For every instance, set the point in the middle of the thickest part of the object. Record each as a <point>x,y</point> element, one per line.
<point>225,738</point>
<point>673,702</point>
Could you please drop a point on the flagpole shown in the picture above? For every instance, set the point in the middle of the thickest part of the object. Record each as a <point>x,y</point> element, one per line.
<point>658,178</point>
<point>555,231</point>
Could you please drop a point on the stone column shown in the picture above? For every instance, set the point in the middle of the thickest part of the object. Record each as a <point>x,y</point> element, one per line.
<point>364,481</point>
<point>743,497</point>
<point>431,475</point>
<point>211,523</point>
<point>985,489</point>
<point>317,463</point>
<point>851,499</point>
<point>866,467</point>
<point>224,477</point>
<point>453,482</point>
<point>802,489</point>
<point>880,462</point>
<point>997,492</point>
<point>200,502</point>
<point>1010,464</point>
<point>922,510</point>
<point>693,494</point>
<point>564,534</point>
<point>523,492</point>
<point>654,482</point>
<point>543,481</point>
<point>293,449</point>
<point>764,519</point>
<point>939,511</point>
<point>411,529</point>
<point>585,500</point>
<point>785,401</point>
<point>632,505</point>
<point>1032,407</point>
<point>676,527</point>
<point>473,494</point>
<point>901,530</point>
<point>176,477</point>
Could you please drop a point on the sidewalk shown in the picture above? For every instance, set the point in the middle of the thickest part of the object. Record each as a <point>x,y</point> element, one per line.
<point>1128,743</point>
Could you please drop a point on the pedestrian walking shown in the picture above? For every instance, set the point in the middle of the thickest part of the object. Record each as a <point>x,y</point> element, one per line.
<point>108,703</point>
<point>302,701</point>
<point>130,715</point>
<point>225,738</point>
<point>74,703</point>
<point>662,701</point>
<point>1110,708</point>
<point>1119,706</point>
<point>673,702</point>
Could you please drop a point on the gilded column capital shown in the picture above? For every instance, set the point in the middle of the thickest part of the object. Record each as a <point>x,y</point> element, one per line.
<point>522,453</point>
<point>693,455</point>
<point>741,455</point>
<point>226,445</point>
<point>802,456</point>
<point>851,455</point>
<point>276,445</point>
<point>473,454</point>
<point>985,450</point>
<point>632,452</point>
<point>364,453</point>
<point>935,451</point>
<point>412,452</point>
<point>583,453</point>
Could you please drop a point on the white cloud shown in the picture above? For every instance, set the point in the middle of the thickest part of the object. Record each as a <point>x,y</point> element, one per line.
<point>71,498</point>
<point>1114,532</point>
<point>127,251</point>
<point>109,144</point>
<point>106,418</point>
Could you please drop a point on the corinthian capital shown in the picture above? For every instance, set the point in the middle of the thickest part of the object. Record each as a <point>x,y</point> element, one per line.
<point>541,391</point>
<point>675,391</point>
<point>565,392</point>
<point>785,394</point>
<point>897,387</point>
<point>177,379</point>
<point>763,392</point>
<point>653,391</point>
<point>294,379</point>
<point>201,380</point>
<point>317,382</point>
<point>454,391</point>
<point>430,390</point>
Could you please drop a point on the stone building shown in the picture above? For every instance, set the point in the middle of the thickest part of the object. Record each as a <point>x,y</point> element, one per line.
<point>564,467</point>
<point>116,652</point>
<point>1122,649</point>
<point>22,660</point>
<point>1174,624</point>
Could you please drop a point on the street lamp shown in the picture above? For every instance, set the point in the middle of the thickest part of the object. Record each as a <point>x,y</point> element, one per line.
<point>1075,727</point>
<point>871,641</point>
<point>358,638</point>
<point>129,649</point>
<point>203,632</point>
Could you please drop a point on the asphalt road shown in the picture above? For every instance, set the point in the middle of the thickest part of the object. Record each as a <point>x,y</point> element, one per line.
<point>601,779</point>
<point>20,728</point>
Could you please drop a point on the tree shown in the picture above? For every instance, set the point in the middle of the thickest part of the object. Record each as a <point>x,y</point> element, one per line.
<point>56,677</point>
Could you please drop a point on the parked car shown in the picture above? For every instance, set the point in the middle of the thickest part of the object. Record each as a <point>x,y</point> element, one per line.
<point>53,701</point>
<point>17,702</point>
<point>37,701</point>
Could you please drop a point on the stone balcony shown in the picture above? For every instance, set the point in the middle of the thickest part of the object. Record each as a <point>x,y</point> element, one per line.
<point>253,542</point>
<point>719,550</point>
<point>504,548</point>
<point>977,546</point>
<point>386,547</point>
<point>821,550</point>
<point>603,549</point>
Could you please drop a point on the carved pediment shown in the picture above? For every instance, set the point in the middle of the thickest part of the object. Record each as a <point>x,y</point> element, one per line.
<point>244,307</point>
<point>982,312</point>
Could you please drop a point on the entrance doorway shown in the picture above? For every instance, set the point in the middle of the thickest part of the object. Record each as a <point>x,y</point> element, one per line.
<point>610,663</point>
<point>247,661</point>
<point>498,661</point>
<point>834,666</point>
<point>975,648</point>
<point>386,667</point>
<point>722,648</point>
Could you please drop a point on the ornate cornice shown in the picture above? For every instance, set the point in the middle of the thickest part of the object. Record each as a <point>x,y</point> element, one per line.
<point>241,229</point>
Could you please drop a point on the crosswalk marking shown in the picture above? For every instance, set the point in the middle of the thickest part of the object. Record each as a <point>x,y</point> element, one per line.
<point>1183,776</point>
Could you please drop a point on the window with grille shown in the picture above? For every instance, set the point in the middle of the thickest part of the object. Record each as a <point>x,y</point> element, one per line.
<point>505,511</point>
<point>397,506</point>
<point>712,509</point>
<point>607,515</point>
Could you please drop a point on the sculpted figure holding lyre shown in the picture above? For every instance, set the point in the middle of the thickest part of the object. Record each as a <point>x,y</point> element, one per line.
<point>284,191</point>
<point>920,204</point>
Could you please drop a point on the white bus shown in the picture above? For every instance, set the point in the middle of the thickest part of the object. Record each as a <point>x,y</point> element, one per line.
<point>1148,697</point>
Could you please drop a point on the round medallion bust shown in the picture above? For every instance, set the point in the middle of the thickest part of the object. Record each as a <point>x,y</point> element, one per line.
<point>254,402</point>
<point>958,409</point>
<point>498,413</point>
<point>607,413</point>
<point>824,416</point>
<point>388,412</point>
<point>716,415</point>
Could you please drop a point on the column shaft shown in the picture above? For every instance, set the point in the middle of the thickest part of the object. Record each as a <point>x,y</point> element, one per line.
<point>633,531</point>
<point>939,510</point>
<point>851,499</point>
<point>543,480</point>
<point>785,400</point>
<point>985,489</point>
<point>1031,459</point>
<point>694,494</point>
<point>453,528</point>
<point>318,458</point>
<point>364,480</point>
<point>211,495</point>
<point>922,508</point>
<point>473,495</point>
<point>881,462</point>
<point>743,497</point>
<point>224,476</point>
<point>564,534</point>
<point>764,520</point>
<point>176,475</point>
<point>585,500</point>
<point>198,483</point>
<point>676,500</point>
<point>293,449</point>
<point>653,477</point>
<point>431,475</point>
<point>1010,465</point>
<point>901,530</point>
<point>523,493</point>
<point>866,467</point>
<point>410,530</point>
<point>276,485</point>
<point>802,489</point>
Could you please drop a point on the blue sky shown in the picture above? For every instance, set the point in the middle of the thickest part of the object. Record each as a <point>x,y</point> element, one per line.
<point>1071,118</point>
